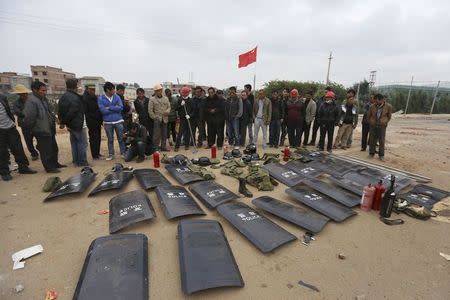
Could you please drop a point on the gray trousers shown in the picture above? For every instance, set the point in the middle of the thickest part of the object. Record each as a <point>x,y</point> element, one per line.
<point>159,134</point>
<point>377,134</point>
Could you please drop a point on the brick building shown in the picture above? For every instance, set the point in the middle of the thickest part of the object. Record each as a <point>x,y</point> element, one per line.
<point>54,78</point>
<point>8,80</point>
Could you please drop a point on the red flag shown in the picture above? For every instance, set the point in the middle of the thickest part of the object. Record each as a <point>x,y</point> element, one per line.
<point>247,58</point>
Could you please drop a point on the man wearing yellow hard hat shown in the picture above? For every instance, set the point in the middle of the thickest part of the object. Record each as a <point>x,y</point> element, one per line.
<point>10,142</point>
<point>18,107</point>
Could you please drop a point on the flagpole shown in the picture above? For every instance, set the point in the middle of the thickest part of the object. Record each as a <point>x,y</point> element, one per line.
<point>254,76</point>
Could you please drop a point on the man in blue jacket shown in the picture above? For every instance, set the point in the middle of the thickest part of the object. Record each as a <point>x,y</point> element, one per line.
<point>111,107</point>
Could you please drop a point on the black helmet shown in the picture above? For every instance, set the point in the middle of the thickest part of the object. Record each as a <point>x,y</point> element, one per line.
<point>246,159</point>
<point>117,167</point>
<point>255,156</point>
<point>204,161</point>
<point>180,159</point>
<point>87,170</point>
<point>227,156</point>
<point>250,149</point>
<point>236,153</point>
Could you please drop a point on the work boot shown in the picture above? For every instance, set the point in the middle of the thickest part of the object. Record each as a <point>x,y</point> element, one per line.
<point>27,170</point>
<point>6,177</point>
<point>243,188</point>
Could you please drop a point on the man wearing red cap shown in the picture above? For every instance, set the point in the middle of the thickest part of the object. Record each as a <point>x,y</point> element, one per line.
<point>185,112</point>
<point>295,117</point>
<point>329,117</point>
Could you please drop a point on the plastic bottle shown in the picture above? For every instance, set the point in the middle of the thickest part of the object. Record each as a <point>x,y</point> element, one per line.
<point>388,200</point>
<point>286,153</point>
<point>367,197</point>
<point>214,151</point>
<point>156,163</point>
<point>379,190</point>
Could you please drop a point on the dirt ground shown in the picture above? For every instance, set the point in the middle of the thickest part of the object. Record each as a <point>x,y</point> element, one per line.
<point>390,262</point>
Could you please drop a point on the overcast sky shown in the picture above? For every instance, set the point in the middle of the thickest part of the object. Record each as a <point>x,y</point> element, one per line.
<point>155,41</point>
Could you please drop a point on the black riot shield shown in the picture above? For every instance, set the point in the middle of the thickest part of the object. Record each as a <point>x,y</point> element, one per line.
<point>150,178</point>
<point>183,174</point>
<point>303,217</point>
<point>211,193</point>
<point>282,174</point>
<point>320,203</point>
<point>334,192</point>
<point>116,267</point>
<point>129,208</point>
<point>75,184</point>
<point>176,202</point>
<point>259,230</point>
<point>206,260</point>
<point>114,181</point>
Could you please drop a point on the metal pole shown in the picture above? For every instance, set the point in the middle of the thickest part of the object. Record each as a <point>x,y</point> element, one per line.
<point>329,64</point>
<point>434,98</point>
<point>357,92</point>
<point>409,95</point>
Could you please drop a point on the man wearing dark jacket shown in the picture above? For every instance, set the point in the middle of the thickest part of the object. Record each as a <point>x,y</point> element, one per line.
<point>141,108</point>
<point>365,123</point>
<point>251,99</point>
<point>329,117</point>
<point>71,114</point>
<point>94,120</point>
<point>18,107</point>
<point>233,112</point>
<point>275,121</point>
<point>379,116</point>
<point>136,141</point>
<point>246,119</point>
<point>316,124</point>
<point>214,116</point>
<point>41,120</point>
<point>295,116</point>
<point>126,112</point>
<point>186,111</point>
<point>10,141</point>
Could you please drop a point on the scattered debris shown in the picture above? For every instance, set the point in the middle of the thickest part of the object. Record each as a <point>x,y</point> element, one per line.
<point>51,295</point>
<point>14,195</point>
<point>103,212</point>
<point>446,256</point>
<point>341,256</point>
<point>263,285</point>
<point>309,286</point>
<point>24,254</point>
<point>360,297</point>
<point>19,288</point>
<point>307,238</point>
<point>290,286</point>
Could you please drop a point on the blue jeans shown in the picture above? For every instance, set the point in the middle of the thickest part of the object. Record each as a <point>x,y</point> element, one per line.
<point>118,128</point>
<point>78,143</point>
<point>274,132</point>
<point>233,131</point>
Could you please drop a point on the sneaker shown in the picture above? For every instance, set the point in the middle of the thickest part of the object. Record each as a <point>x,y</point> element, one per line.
<point>344,148</point>
<point>382,158</point>
<point>110,157</point>
<point>27,170</point>
<point>122,156</point>
<point>53,171</point>
<point>7,177</point>
<point>363,149</point>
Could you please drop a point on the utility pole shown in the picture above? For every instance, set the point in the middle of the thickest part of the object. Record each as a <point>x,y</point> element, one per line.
<point>372,79</point>
<point>434,98</point>
<point>329,64</point>
<point>409,95</point>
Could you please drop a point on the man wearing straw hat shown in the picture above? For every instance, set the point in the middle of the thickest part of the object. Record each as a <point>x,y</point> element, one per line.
<point>10,141</point>
<point>18,107</point>
<point>158,110</point>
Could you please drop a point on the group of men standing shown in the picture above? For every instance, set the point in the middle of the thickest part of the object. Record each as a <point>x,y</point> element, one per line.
<point>204,119</point>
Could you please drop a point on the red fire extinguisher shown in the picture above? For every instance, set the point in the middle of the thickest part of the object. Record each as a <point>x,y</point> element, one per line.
<point>379,190</point>
<point>286,153</point>
<point>214,151</point>
<point>156,159</point>
<point>367,197</point>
